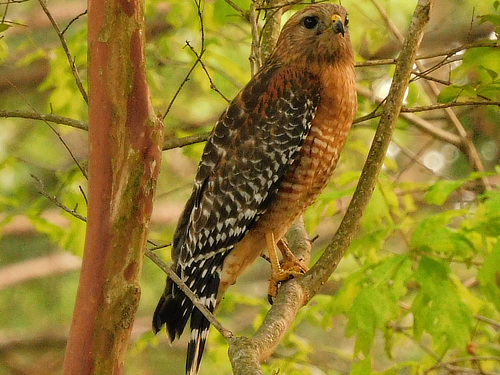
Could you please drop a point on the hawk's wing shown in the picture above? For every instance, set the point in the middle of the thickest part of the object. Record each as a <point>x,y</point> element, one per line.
<point>250,150</point>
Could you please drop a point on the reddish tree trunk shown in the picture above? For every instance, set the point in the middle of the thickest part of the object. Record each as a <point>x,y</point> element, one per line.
<point>125,148</point>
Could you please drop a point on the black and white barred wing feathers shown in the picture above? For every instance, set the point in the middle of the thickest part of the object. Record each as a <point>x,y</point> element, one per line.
<point>250,150</point>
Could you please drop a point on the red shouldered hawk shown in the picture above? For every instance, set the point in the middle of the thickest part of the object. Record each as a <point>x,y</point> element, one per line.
<point>269,156</point>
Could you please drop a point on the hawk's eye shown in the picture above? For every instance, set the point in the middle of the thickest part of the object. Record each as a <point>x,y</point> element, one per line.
<point>310,22</point>
<point>346,22</point>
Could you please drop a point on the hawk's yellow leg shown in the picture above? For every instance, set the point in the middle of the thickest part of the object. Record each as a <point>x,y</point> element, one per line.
<point>289,267</point>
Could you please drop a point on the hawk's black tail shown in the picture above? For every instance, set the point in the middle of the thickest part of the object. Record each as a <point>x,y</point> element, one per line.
<point>175,308</point>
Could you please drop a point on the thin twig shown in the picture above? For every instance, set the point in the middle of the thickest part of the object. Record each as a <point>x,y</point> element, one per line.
<point>212,84</point>
<point>193,297</point>
<point>238,9</point>
<point>180,88</point>
<point>5,11</point>
<point>159,247</point>
<point>419,344</point>
<point>171,143</point>
<point>447,54</point>
<point>419,122</point>
<point>55,201</point>
<point>45,117</point>
<point>255,53</point>
<point>73,20</point>
<point>84,172</point>
<point>449,365</point>
<point>448,105</point>
<point>66,50</point>
<point>484,319</point>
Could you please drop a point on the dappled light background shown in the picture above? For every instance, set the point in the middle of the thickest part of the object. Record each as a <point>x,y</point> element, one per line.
<point>416,292</point>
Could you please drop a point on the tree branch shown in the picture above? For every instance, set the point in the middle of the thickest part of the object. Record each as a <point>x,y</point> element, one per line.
<point>271,30</point>
<point>45,117</point>
<point>55,201</point>
<point>255,54</point>
<point>245,353</point>
<point>418,122</point>
<point>51,265</point>
<point>185,289</point>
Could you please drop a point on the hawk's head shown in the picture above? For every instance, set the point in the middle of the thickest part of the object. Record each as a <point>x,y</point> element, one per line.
<point>316,34</point>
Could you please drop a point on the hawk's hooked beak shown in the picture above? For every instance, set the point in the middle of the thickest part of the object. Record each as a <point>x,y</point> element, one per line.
<point>338,26</point>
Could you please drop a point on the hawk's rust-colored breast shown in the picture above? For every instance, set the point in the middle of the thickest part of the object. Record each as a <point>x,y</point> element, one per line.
<point>310,172</point>
<point>319,155</point>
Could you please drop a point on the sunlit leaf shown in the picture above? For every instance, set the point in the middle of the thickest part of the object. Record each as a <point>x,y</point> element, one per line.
<point>489,276</point>
<point>3,27</point>
<point>438,308</point>
<point>441,190</point>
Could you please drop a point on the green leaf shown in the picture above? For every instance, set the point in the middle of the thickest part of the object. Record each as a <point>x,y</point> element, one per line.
<point>486,219</point>
<point>434,235</point>
<point>3,27</point>
<point>453,92</point>
<point>54,232</point>
<point>489,276</point>
<point>493,18</point>
<point>441,190</point>
<point>491,73</point>
<point>385,281</point>
<point>438,309</point>
<point>363,367</point>
<point>449,94</point>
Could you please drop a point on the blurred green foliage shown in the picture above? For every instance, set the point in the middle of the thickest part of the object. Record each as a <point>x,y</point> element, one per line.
<point>419,286</point>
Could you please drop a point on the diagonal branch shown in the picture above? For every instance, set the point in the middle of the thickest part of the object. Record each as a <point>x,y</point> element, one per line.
<point>246,353</point>
<point>189,293</point>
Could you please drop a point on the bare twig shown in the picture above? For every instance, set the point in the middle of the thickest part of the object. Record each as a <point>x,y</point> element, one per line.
<point>185,289</point>
<point>238,9</point>
<point>74,20</point>
<point>212,84</point>
<point>447,54</point>
<point>84,172</point>
<point>54,200</point>
<point>419,344</point>
<point>159,247</point>
<point>448,105</point>
<point>45,117</point>
<point>491,322</point>
<point>450,365</point>
<point>66,50</point>
<point>181,86</point>
<point>171,143</point>
<point>419,122</point>
<point>255,54</point>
